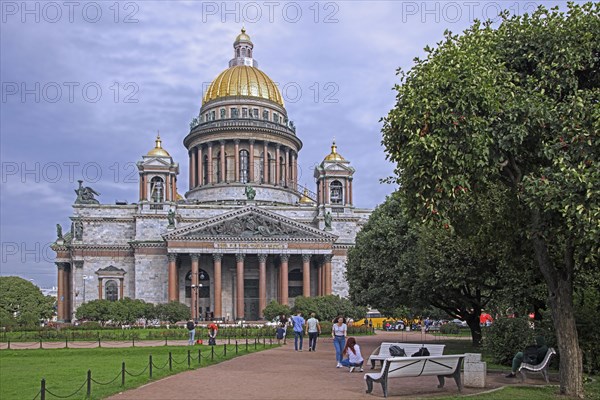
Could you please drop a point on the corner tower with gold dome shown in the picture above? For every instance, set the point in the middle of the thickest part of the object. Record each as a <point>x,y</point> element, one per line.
<point>242,136</point>
<point>244,234</point>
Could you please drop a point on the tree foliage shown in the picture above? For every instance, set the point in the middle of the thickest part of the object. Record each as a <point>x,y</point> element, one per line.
<point>173,311</point>
<point>517,107</point>
<point>326,308</point>
<point>273,309</point>
<point>23,301</point>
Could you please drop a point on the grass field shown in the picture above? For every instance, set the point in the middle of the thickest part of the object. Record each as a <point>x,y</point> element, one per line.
<point>65,370</point>
<point>592,392</point>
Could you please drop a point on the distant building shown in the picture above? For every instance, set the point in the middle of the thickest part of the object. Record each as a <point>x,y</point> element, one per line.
<point>244,234</point>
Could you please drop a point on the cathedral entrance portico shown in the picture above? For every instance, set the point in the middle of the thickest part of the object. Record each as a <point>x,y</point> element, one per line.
<point>255,254</point>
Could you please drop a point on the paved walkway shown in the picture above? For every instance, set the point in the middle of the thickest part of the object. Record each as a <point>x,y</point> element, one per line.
<point>282,373</point>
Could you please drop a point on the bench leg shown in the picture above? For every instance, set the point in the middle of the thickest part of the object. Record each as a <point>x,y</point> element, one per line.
<point>522,375</point>
<point>545,374</point>
<point>442,381</point>
<point>456,376</point>
<point>384,386</point>
<point>369,384</point>
<point>372,364</point>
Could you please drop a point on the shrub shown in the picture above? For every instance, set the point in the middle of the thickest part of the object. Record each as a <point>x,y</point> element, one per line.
<point>274,309</point>
<point>449,329</point>
<point>506,336</point>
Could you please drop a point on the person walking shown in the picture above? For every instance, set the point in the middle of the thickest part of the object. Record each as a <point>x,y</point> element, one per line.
<point>283,321</point>
<point>338,333</point>
<point>191,327</point>
<point>298,323</point>
<point>313,329</point>
<point>354,357</point>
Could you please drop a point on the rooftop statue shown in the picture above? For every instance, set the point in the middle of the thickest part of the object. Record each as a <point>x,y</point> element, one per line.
<point>85,195</point>
<point>250,192</point>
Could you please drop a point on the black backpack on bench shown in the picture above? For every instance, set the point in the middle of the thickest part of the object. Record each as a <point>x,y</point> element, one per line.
<point>397,351</point>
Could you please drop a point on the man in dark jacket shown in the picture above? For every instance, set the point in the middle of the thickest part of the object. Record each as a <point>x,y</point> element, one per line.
<point>191,327</point>
<point>540,349</point>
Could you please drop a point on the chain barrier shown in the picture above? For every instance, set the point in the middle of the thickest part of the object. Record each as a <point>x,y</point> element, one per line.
<point>47,391</point>
<point>107,383</point>
<point>44,391</point>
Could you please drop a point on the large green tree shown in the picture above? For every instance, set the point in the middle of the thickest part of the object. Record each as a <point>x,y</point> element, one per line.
<point>517,106</point>
<point>24,301</point>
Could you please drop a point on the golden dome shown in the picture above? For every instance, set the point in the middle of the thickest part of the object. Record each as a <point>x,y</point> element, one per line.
<point>334,155</point>
<point>242,37</point>
<point>158,151</point>
<point>243,80</point>
<point>305,199</point>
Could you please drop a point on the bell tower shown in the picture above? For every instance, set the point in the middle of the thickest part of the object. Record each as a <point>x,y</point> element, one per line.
<point>334,182</point>
<point>158,175</point>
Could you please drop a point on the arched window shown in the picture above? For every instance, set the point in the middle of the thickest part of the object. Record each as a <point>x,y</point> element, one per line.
<point>111,290</point>
<point>157,189</point>
<point>223,113</point>
<point>205,170</point>
<point>243,52</point>
<point>244,166</point>
<point>336,193</point>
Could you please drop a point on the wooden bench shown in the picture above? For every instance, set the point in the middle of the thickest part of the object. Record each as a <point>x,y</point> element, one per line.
<point>405,367</point>
<point>383,351</point>
<point>541,367</point>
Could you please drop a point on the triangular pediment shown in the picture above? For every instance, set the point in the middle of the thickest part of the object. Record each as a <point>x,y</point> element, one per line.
<point>250,224</point>
<point>156,162</point>
<point>339,167</point>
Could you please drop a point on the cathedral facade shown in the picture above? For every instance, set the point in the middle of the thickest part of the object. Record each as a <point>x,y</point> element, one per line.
<point>245,233</point>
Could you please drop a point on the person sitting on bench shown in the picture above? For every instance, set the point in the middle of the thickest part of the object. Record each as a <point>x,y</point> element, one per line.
<point>531,355</point>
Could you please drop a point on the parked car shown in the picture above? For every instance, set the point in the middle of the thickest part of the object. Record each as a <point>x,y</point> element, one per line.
<point>459,322</point>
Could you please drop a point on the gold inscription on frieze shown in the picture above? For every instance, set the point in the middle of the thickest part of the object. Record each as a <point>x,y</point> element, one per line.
<point>258,246</point>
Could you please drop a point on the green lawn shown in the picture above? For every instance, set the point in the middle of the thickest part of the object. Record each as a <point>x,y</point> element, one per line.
<point>65,370</point>
<point>592,391</point>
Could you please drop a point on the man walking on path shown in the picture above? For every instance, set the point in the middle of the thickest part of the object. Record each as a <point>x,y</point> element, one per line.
<point>298,323</point>
<point>313,329</point>
<point>191,327</point>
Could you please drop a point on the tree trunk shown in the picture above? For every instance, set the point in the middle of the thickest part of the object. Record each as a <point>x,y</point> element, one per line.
<point>475,330</point>
<point>560,299</point>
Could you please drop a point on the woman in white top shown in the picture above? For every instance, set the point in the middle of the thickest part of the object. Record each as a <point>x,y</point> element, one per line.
<point>338,333</point>
<point>352,351</point>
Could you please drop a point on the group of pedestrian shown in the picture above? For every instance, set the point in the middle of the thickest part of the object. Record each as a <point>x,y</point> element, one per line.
<point>212,333</point>
<point>347,351</point>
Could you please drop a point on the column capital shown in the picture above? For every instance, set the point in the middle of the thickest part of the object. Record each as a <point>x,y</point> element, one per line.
<point>64,266</point>
<point>172,257</point>
<point>284,257</point>
<point>236,141</point>
<point>262,257</point>
<point>217,256</point>
<point>195,256</point>
<point>78,264</point>
<point>251,141</point>
<point>327,257</point>
<point>306,257</point>
<point>239,257</point>
<point>222,142</point>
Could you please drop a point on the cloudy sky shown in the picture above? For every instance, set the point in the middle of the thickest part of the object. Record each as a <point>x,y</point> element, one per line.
<point>86,86</point>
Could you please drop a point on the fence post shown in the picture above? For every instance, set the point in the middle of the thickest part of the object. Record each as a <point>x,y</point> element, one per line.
<point>236,346</point>
<point>150,365</point>
<point>89,384</point>
<point>123,374</point>
<point>212,353</point>
<point>40,344</point>
<point>66,342</point>
<point>189,358</point>
<point>133,341</point>
<point>170,362</point>
<point>199,357</point>
<point>246,344</point>
<point>254,343</point>
<point>224,350</point>
<point>43,389</point>
<point>8,341</point>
